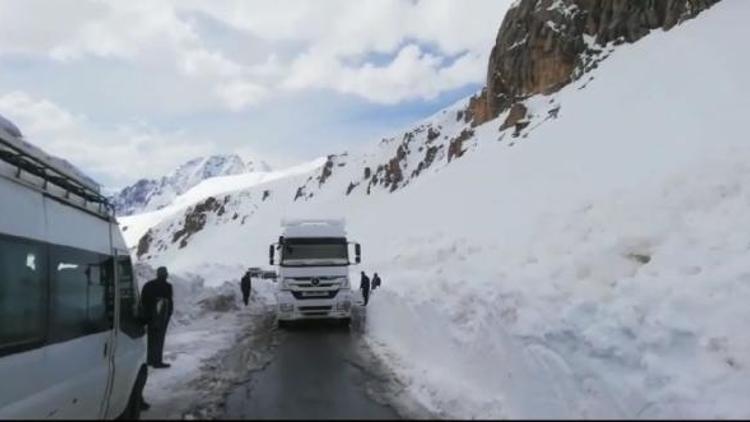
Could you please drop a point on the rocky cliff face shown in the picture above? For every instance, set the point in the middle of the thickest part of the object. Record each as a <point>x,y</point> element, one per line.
<point>543,45</point>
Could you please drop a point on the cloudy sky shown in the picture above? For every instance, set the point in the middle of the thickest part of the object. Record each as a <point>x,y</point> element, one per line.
<point>131,89</point>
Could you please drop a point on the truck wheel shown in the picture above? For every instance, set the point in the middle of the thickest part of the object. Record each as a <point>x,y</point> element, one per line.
<point>133,409</point>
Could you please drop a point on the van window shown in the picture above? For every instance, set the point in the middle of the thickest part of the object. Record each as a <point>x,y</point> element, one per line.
<point>129,323</point>
<point>79,293</point>
<point>23,287</point>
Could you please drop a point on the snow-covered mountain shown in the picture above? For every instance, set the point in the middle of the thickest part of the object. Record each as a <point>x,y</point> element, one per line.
<point>566,243</point>
<point>150,194</point>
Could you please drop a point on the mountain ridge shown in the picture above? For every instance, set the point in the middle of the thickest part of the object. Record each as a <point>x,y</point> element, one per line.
<point>153,194</point>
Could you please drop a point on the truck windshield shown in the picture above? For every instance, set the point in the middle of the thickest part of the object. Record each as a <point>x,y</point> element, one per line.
<point>314,251</point>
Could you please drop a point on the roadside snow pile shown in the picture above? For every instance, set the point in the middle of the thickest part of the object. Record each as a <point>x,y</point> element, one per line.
<point>602,268</point>
<point>629,307</point>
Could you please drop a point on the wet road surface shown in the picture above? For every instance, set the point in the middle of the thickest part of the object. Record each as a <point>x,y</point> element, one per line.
<point>316,373</point>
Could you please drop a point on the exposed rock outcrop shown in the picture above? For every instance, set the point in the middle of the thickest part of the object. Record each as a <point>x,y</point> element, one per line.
<point>432,134</point>
<point>478,110</point>
<point>516,114</point>
<point>391,173</point>
<point>327,170</point>
<point>543,45</point>
<point>195,218</point>
<point>455,149</point>
<point>144,244</point>
<point>429,158</point>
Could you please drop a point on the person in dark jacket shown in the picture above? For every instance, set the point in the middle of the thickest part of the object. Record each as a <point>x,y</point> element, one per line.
<point>246,286</point>
<point>157,306</point>
<point>364,285</point>
<point>375,281</point>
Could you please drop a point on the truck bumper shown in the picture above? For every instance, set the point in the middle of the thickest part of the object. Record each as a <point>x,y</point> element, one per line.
<point>291,309</point>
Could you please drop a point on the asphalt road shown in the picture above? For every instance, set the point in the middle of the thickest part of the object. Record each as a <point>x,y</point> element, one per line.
<point>317,373</point>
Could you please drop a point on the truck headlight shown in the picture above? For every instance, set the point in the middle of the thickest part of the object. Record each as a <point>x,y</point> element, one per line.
<point>286,307</point>
<point>286,284</point>
<point>344,283</point>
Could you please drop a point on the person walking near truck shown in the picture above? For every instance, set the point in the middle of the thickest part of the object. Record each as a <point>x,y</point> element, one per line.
<point>375,281</point>
<point>364,285</point>
<point>246,286</point>
<point>156,301</point>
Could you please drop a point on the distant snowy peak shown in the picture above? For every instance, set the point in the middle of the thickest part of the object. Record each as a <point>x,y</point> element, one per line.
<point>150,194</point>
<point>200,169</point>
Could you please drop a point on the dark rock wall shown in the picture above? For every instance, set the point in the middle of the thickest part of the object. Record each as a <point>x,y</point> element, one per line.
<point>540,46</point>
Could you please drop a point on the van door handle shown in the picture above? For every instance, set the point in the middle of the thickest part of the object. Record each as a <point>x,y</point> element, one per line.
<point>106,344</point>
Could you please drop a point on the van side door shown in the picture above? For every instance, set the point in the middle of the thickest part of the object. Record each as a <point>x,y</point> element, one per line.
<point>80,332</point>
<point>130,336</point>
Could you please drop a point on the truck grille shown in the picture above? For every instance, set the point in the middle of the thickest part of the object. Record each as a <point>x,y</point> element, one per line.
<point>321,278</point>
<point>329,295</point>
<point>324,281</point>
<point>314,308</point>
<point>312,285</point>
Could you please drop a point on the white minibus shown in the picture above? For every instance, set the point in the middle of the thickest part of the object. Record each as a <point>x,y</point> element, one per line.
<point>71,346</point>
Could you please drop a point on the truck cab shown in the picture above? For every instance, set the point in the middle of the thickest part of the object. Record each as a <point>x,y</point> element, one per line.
<point>313,259</point>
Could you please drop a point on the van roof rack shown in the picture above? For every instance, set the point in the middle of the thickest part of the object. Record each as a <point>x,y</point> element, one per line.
<point>26,157</point>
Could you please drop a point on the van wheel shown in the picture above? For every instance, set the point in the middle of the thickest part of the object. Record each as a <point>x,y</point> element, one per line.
<point>133,410</point>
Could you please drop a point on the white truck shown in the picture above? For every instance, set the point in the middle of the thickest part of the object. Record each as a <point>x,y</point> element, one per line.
<point>313,270</point>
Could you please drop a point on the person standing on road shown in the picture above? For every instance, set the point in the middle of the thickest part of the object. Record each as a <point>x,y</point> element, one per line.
<point>157,306</point>
<point>375,281</point>
<point>364,285</point>
<point>246,285</point>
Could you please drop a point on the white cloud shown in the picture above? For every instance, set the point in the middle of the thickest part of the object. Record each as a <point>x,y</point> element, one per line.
<point>38,26</point>
<point>411,74</point>
<point>337,33</point>
<point>139,31</point>
<point>333,39</point>
<point>202,62</point>
<point>127,30</point>
<point>113,153</point>
<point>238,94</point>
<point>38,116</point>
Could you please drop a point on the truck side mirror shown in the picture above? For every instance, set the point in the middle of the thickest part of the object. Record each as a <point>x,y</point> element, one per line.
<point>357,253</point>
<point>270,255</point>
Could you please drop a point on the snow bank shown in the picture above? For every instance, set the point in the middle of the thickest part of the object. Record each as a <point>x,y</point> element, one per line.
<point>607,270</point>
<point>630,307</point>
